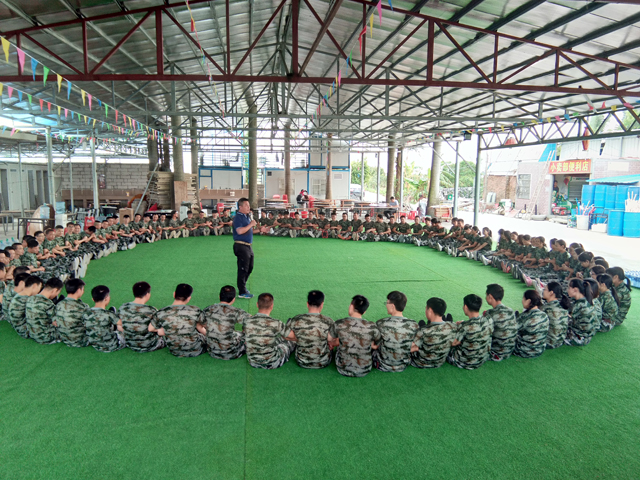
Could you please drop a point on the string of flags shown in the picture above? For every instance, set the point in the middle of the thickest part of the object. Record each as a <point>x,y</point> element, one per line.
<point>131,127</point>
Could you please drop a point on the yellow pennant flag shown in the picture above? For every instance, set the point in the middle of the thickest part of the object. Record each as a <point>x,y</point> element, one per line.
<point>84,94</point>
<point>613,107</point>
<point>59,82</point>
<point>58,110</point>
<point>86,120</point>
<point>371,25</point>
<point>94,122</point>
<point>5,47</point>
<point>1,88</point>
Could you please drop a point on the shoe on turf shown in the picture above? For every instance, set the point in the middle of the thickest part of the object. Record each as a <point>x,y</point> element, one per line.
<point>246,295</point>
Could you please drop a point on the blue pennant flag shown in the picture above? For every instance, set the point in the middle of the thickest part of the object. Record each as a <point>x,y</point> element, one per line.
<point>68,89</point>
<point>34,64</point>
<point>19,95</point>
<point>567,116</point>
<point>391,5</point>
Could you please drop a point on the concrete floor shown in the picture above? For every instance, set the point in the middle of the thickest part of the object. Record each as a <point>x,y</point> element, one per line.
<point>618,251</point>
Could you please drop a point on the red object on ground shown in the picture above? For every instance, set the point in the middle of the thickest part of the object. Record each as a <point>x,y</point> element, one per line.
<point>220,207</point>
<point>412,215</point>
<point>285,197</point>
<point>311,200</point>
<point>89,222</point>
<point>304,214</point>
<point>153,207</point>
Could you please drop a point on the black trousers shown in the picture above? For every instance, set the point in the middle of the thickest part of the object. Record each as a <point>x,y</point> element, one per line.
<point>245,265</point>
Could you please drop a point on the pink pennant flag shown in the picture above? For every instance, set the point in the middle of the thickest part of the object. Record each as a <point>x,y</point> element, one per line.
<point>10,89</point>
<point>89,95</point>
<point>363,32</point>
<point>65,113</point>
<point>339,77</point>
<point>628,105</point>
<point>13,130</point>
<point>116,116</point>
<point>490,131</point>
<point>380,11</point>
<point>603,105</point>
<point>41,105</point>
<point>21,59</point>
<point>558,118</point>
<point>49,106</point>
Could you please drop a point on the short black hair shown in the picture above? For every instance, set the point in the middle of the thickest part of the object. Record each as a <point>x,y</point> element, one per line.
<point>360,304</point>
<point>73,285</point>
<point>189,211</point>
<point>496,291</point>
<point>140,289</point>
<point>92,229</point>
<point>241,201</point>
<point>126,216</point>
<point>33,280</point>
<point>19,270</point>
<point>265,300</point>
<point>438,305</point>
<point>59,227</point>
<point>32,243</point>
<point>183,291</point>
<point>39,232</point>
<point>99,293</point>
<point>473,302</point>
<point>54,283</point>
<point>535,298</point>
<point>315,298</point>
<point>398,299</point>
<point>227,293</point>
<point>585,257</point>
<point>21,277</point>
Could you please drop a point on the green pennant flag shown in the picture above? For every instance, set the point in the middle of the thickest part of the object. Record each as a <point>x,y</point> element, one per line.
<point>79,119</point>
<point>46,74</point>
<point>106,110</point>
<point>29,96</point>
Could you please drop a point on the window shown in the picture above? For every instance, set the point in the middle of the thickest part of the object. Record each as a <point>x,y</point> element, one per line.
<point>524,186</point>
<point>281,184</point>
<point>318,186</point>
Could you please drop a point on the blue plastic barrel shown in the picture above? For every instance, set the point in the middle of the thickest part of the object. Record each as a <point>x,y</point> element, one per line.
<point>610,200</point>
<point>621,196</point>
<point>631,226</point>
<point>606,215</point>
<point>599,211</point>
<point>588,191</point>
<point>634,192</point>
<point>616,220</point>
<point>600,195</point>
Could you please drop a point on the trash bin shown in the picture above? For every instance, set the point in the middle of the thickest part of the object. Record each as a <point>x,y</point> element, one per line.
<point>582,222</point>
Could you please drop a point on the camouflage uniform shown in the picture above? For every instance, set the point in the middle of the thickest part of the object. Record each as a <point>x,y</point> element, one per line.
<point>533,328</point>
<point>624,296</point>
<point>355,225</point>
<point>295,223</point>
<point>381,227</point>
<point>135,319</point>
<point>475,337</point>
<point>354,354</point>
<point>434,343</point>
<point>344,225</point>
<point>39,316</point>
<point>189,223</point>
<point>311,329</point>
<point>334,233</point>
<point>558,322</point>
<point>124,242</point>
<point>181,335</point>
<point>174,223</point>
<point>583,324</point>
<point>505,330</point>
<point>283,229</point>
<point>394,352</point>
<point>102,330</point>
<point>597,307</point>
<point>17,315</point>
<point>323,226</point>
<point>609,311</point>
<point>223,340</point>
<point>7,295</point>
<point>415,228</point>
<point>71,328</point>
<point>265,340</point>
<point>226,230</point>
<point>203,230</point>
<point>403,229</point>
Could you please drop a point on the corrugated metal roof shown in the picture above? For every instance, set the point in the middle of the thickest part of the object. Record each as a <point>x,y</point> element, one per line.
<point>624,179</point>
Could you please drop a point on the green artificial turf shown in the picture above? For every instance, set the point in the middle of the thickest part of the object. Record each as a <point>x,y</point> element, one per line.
<point>77,413</point>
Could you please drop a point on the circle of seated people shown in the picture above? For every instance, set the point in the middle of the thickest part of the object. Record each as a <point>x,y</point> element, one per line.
<point>593,301</point>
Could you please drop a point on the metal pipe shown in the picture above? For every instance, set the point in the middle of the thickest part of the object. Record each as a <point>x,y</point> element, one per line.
<point>476,188</point>
<point>94,173</point>
<point>52,193</point>
<point>401,165</point>
<point>456,183</point>
<point>71,180</point>
<point>391,157</point>
<point>329,185</point>
<point>378,180</point>
<point>21,190</point>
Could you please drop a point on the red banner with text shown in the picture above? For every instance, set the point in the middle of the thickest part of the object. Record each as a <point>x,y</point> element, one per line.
<point>570,166</point>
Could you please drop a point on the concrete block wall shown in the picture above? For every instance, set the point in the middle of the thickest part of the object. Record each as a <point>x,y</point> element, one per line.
<point>118,176</point>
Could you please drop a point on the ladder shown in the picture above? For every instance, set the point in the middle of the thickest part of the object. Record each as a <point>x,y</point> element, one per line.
<point>534,200</point>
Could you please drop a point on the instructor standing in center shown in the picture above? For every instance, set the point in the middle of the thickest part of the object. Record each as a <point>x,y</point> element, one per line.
<point>242,238</point>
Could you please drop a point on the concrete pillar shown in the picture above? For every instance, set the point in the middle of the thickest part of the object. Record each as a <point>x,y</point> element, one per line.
<point>378,179</point>
<point>400,189</point>
<point>253,153</point>
<point>329,189</point>
<point>456,182</point>
<point>20,180</point>
<point>194,145</point>
<point>94,176</point>
<point>391,158</point>
<point>152,149</point>
<point>52,192</point>
<point>166,156</point>
<point>288,190</point>
<point>178,166</point>
<point>476,188</point>
<point>434,184</point>
<point>361,176</point>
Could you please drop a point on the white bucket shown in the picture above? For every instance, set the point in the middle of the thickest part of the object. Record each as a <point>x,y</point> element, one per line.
<point>582,222</point>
